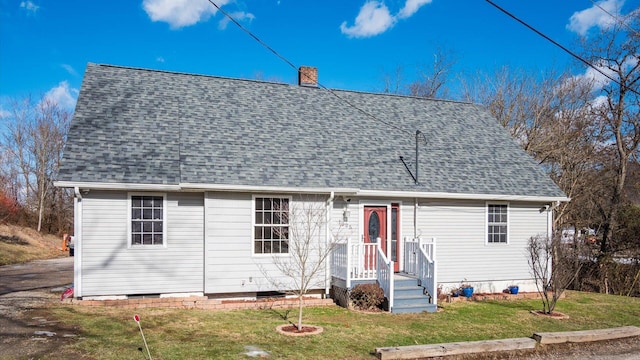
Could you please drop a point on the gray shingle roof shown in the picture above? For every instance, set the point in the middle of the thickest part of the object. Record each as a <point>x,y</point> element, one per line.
<point>152,127</point>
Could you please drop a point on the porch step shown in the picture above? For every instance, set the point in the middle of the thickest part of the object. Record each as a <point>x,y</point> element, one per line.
<point>409,297</point>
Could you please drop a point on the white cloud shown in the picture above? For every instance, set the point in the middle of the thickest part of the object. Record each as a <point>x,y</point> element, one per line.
<point>599,101</point>
<point>581,21</point>
<point>69,69</point>
<point>239,16</point>
<point>411,7</point>
<point>62,95</point>
<point>160,59</point>
<point>4,113</point>
<point>29,6</point>
<point>374,18</point>
<point>180,13</point>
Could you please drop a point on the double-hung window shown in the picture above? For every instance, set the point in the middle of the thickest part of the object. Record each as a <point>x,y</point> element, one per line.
<point>147,220</point>
<point>497,223</point>
<point>271,225</point>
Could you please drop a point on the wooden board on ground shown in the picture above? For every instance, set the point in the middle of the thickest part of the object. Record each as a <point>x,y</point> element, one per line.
<point>586,335</point>
<point>456,348</point>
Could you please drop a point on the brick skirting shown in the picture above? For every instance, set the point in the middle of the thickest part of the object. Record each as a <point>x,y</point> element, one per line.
<point>201,302</point>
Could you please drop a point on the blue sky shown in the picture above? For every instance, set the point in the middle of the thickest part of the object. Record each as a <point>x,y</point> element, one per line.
<point>46,44</point>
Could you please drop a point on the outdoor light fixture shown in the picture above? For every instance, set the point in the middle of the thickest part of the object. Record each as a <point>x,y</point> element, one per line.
<point>345,214</point>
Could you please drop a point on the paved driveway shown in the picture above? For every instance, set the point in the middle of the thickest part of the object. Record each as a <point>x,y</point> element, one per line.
<point>40,274</point>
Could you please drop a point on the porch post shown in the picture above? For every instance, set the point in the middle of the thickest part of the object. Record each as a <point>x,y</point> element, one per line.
<point>435,275</point>
<point>348,280</point>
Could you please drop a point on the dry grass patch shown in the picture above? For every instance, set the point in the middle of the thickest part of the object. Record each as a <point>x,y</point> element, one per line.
<point>19,244</point>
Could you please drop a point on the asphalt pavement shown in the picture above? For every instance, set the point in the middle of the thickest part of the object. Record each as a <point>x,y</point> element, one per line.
<point>35,275</point>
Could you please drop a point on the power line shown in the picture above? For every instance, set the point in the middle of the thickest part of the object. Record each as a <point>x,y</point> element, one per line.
<point>562,47</point>
<point>285,60</point>
<point>620,21</point>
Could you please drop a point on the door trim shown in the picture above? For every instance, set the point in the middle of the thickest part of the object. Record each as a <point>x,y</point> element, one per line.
<point>362,203</point>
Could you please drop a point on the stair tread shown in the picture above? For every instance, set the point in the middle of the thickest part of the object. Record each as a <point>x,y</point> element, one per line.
<point>411,306</point>
<point>411,296</point>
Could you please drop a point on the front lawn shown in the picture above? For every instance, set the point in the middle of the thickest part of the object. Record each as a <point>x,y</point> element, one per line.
<point>199,334</point>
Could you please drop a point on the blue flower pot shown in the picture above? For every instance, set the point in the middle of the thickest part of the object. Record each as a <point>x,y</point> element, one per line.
<point>467,292</point>
<point>513,290</point>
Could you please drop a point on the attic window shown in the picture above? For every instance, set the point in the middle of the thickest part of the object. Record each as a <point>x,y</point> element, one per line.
<point>271,226</point>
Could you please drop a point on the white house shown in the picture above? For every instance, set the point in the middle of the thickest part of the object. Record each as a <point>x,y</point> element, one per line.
<point>183,185</point>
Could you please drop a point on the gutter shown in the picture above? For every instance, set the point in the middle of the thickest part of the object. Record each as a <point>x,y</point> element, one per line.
<point>307,190</point>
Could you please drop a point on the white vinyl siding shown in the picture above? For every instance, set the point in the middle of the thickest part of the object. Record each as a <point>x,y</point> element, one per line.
<point>231,266</point>
<point>460,229</point>
<point>111,267</point>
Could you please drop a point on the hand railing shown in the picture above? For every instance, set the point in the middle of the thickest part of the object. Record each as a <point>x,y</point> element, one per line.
<point>420,261</point>
<point>385,275</point>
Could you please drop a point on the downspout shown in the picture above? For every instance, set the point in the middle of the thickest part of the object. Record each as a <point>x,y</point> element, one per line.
<point>77,246</point>
<point>327,266</point>
<point>417,178</point>
<point>415,218</point>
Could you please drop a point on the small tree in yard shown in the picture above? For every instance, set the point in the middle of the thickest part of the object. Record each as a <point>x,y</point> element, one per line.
<point>309,248</point>
<point>553,267</point>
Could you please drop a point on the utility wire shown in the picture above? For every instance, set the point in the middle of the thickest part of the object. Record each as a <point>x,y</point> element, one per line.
<point>562,47</point>
<point>284,59</point>
<point>620,21</point>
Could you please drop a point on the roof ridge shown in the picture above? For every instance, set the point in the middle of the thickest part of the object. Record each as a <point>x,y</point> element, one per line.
<point>285,84</point>
<point>188,74</point>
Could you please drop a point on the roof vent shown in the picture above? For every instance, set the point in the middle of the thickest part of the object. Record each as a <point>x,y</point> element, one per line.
<point>308,76</point>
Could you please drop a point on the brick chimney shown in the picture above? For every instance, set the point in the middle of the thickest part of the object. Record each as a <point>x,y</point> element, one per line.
<point>308,76</point>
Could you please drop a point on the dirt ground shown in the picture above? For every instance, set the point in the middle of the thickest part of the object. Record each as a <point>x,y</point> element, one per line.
<point>25,291</point>
<point>26,331</point>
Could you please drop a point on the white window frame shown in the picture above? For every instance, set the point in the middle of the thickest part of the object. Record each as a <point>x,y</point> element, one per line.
<point>487,223</point>
<point>253,224</point>
<point>130,243</point>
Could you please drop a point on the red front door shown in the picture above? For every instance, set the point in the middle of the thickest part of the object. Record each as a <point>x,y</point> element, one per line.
<point>375,229</point>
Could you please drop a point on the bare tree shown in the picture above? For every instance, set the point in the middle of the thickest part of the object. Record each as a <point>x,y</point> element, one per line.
<point>430,79</point>
<point>549,114</point>
<point>616,52</point>
<point>551,264</point>
<point>33,143</point>
<point>393,82</point>
<point>309,247</point>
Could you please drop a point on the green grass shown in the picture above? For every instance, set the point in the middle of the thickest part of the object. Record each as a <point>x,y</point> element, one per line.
<point>107,333</point>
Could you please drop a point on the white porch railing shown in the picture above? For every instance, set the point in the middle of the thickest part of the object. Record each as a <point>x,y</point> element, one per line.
<point>366,261</point>
<point>385,276</point>
<point>354,261</point>
<point>420,261</point>
<point>340,262</point>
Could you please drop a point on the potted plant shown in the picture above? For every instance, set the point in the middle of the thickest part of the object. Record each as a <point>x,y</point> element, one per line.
<point>513,289</point>
<point>466,289</point>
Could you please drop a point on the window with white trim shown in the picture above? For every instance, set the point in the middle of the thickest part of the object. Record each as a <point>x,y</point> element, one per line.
<point>271,226</point>
<point>147,219</point>
<point>497,223</point>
